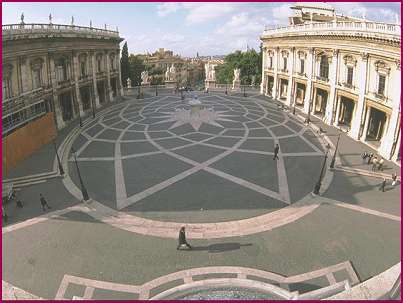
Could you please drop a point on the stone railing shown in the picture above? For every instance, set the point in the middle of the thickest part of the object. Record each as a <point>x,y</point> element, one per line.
<point>335,28</point>
<point>10,30</point>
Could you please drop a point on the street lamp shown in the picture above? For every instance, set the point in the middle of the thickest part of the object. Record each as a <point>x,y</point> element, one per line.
<point>156,89</point>
<point>81,121</point>
<point>244,91</point>
<point>226,87</point>
<point>61,170</point>
<point>319,183</point>
<point>93,110</point>
<point>335,151</point>
<point>138,93</point>
<point>83,189</point>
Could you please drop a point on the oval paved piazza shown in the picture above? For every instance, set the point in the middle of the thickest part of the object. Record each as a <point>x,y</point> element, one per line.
<point>152,165</point>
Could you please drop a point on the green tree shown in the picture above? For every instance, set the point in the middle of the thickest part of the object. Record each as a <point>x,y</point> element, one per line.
<point>124,64</point>
<point>136,67</point>
<point>249,63</point>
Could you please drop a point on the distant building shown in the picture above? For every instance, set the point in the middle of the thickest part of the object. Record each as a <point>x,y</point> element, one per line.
<point>343,70</point>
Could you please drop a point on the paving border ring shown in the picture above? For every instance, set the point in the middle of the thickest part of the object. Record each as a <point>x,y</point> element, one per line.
<point>217,230</point>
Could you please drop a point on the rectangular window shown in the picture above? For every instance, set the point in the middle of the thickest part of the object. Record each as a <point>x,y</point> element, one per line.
<point>83,69</point>
<point>99,66</point>
<point>36,78</point>
<point>285,63</point>
<point>350,71</point>
<point>381,84</point>
<point>271,62</point>
<point>302,66</point>
<point>7,93</point>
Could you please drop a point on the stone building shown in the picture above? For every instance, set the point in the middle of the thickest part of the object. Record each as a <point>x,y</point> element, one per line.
<point>346,71</point>
<point>64,69</point>
<point>51,75</point>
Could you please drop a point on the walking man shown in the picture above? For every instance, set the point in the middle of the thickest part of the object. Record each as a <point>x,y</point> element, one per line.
<point>374,163</point>
<point>380,164</point>
<point>4,214</point>
<point>382,188</point>
<point>182,239</point>
<point>44,203</point>
<point>370,156</point>
<point>276,149</point>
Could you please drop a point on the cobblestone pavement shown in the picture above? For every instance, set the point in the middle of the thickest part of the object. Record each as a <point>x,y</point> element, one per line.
<point>150,166</point>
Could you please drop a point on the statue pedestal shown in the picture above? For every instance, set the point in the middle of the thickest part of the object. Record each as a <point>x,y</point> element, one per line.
<point>209,83</point>
<point>170,84</point>
<point>236,85</point>
<point>146,84</point>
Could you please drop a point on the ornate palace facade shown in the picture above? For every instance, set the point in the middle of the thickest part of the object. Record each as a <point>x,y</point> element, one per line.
<point>345,71</point>
<point>65,69</point>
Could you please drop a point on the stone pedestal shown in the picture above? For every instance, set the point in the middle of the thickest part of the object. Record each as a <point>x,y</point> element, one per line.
<point>170,84</point>
<point>146,84</point>
<point>236,85</point>
<point>209,83</point>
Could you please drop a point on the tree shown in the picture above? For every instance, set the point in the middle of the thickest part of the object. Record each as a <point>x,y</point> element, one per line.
<point>124,64</point>
<point>248,62</point>
<point>136,67</point>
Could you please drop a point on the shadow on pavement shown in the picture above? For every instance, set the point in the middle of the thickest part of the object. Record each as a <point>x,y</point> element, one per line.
<point>220,247</point>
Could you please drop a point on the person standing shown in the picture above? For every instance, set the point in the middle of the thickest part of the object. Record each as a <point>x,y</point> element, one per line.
<point>370,156</point>
<point>394,179</point>
<point>182,239</point>
<point>374,164</point>
<point>276,150</point>
<point>383,184</point>
<point>380,164</point>
<point>4,214</point>
<point>44,203</point>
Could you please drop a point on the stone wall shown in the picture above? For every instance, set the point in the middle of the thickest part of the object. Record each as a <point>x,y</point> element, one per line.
<point>20,144</point>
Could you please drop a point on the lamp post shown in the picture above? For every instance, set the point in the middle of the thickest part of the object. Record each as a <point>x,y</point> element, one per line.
<point>138,92</point>
<point>83,189</point>
<point>81,121</point>
<point>319,183</point>
<point>61,170</point>
<point>93,110</point>
<point>244,91</point>
<point>156,89</point>
<point>226,88</point>
<point>335,151</point>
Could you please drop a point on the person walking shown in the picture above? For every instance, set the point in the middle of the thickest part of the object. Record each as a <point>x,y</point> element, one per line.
<point>276,150</point>
<point>394,179</point>
<point>44,203</point>
<point>370,156</point>
<point>383,184</point>
<point>19,203</point>
<point>4,214</point>
<point>182,239</point>
<point>364,156</point>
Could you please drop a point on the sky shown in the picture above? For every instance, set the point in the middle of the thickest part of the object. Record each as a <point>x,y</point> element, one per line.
<point>187,28</point>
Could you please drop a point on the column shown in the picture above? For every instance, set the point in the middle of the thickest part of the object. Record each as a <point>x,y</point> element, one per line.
<point>108,77</point>
<point>94,80</point>
<point>276,54</point>
<point>389,136</point>
<point>365,130</point>
<point>56,104</point>
<point>76,68</point>
<point>336,120</point>
<point>24,73</point>
<point>290,77</point>
<point>120,86</point>
<point>262,85</point>
<point>332,96</point>
<point>357,122</point>
<point>309,74</point>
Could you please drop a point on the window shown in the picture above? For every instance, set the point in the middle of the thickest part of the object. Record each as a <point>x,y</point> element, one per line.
<point>381,84</point>
<point>36,78</point>
<point>99,67</point>
<point>350,71</point>
<point>302,66</point>
<point>270,62</point>
<point>285,63</point>
<point>61,70</point>
<point>7,92</point>
<point>83,69</point>
<point>112,63</point>
<point>324,67</point>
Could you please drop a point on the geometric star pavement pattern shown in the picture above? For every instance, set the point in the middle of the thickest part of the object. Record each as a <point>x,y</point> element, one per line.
<point>234,128</point>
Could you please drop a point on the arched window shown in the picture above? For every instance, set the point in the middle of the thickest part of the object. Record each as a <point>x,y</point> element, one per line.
<point>324,67</point>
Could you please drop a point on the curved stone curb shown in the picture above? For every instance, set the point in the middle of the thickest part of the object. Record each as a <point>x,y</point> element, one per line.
<point>242,275</point>
<point>163,229</point>
<point>11,292</point>
<point>373,289</point>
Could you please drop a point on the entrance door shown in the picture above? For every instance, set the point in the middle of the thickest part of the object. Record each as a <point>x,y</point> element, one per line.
<point>346,111</point>
<point>101,91</point>
<point>85,97</point>
<point>66,106</point>
<point>300,96</point>
<point>321,101</point>
<point>376,125</point>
